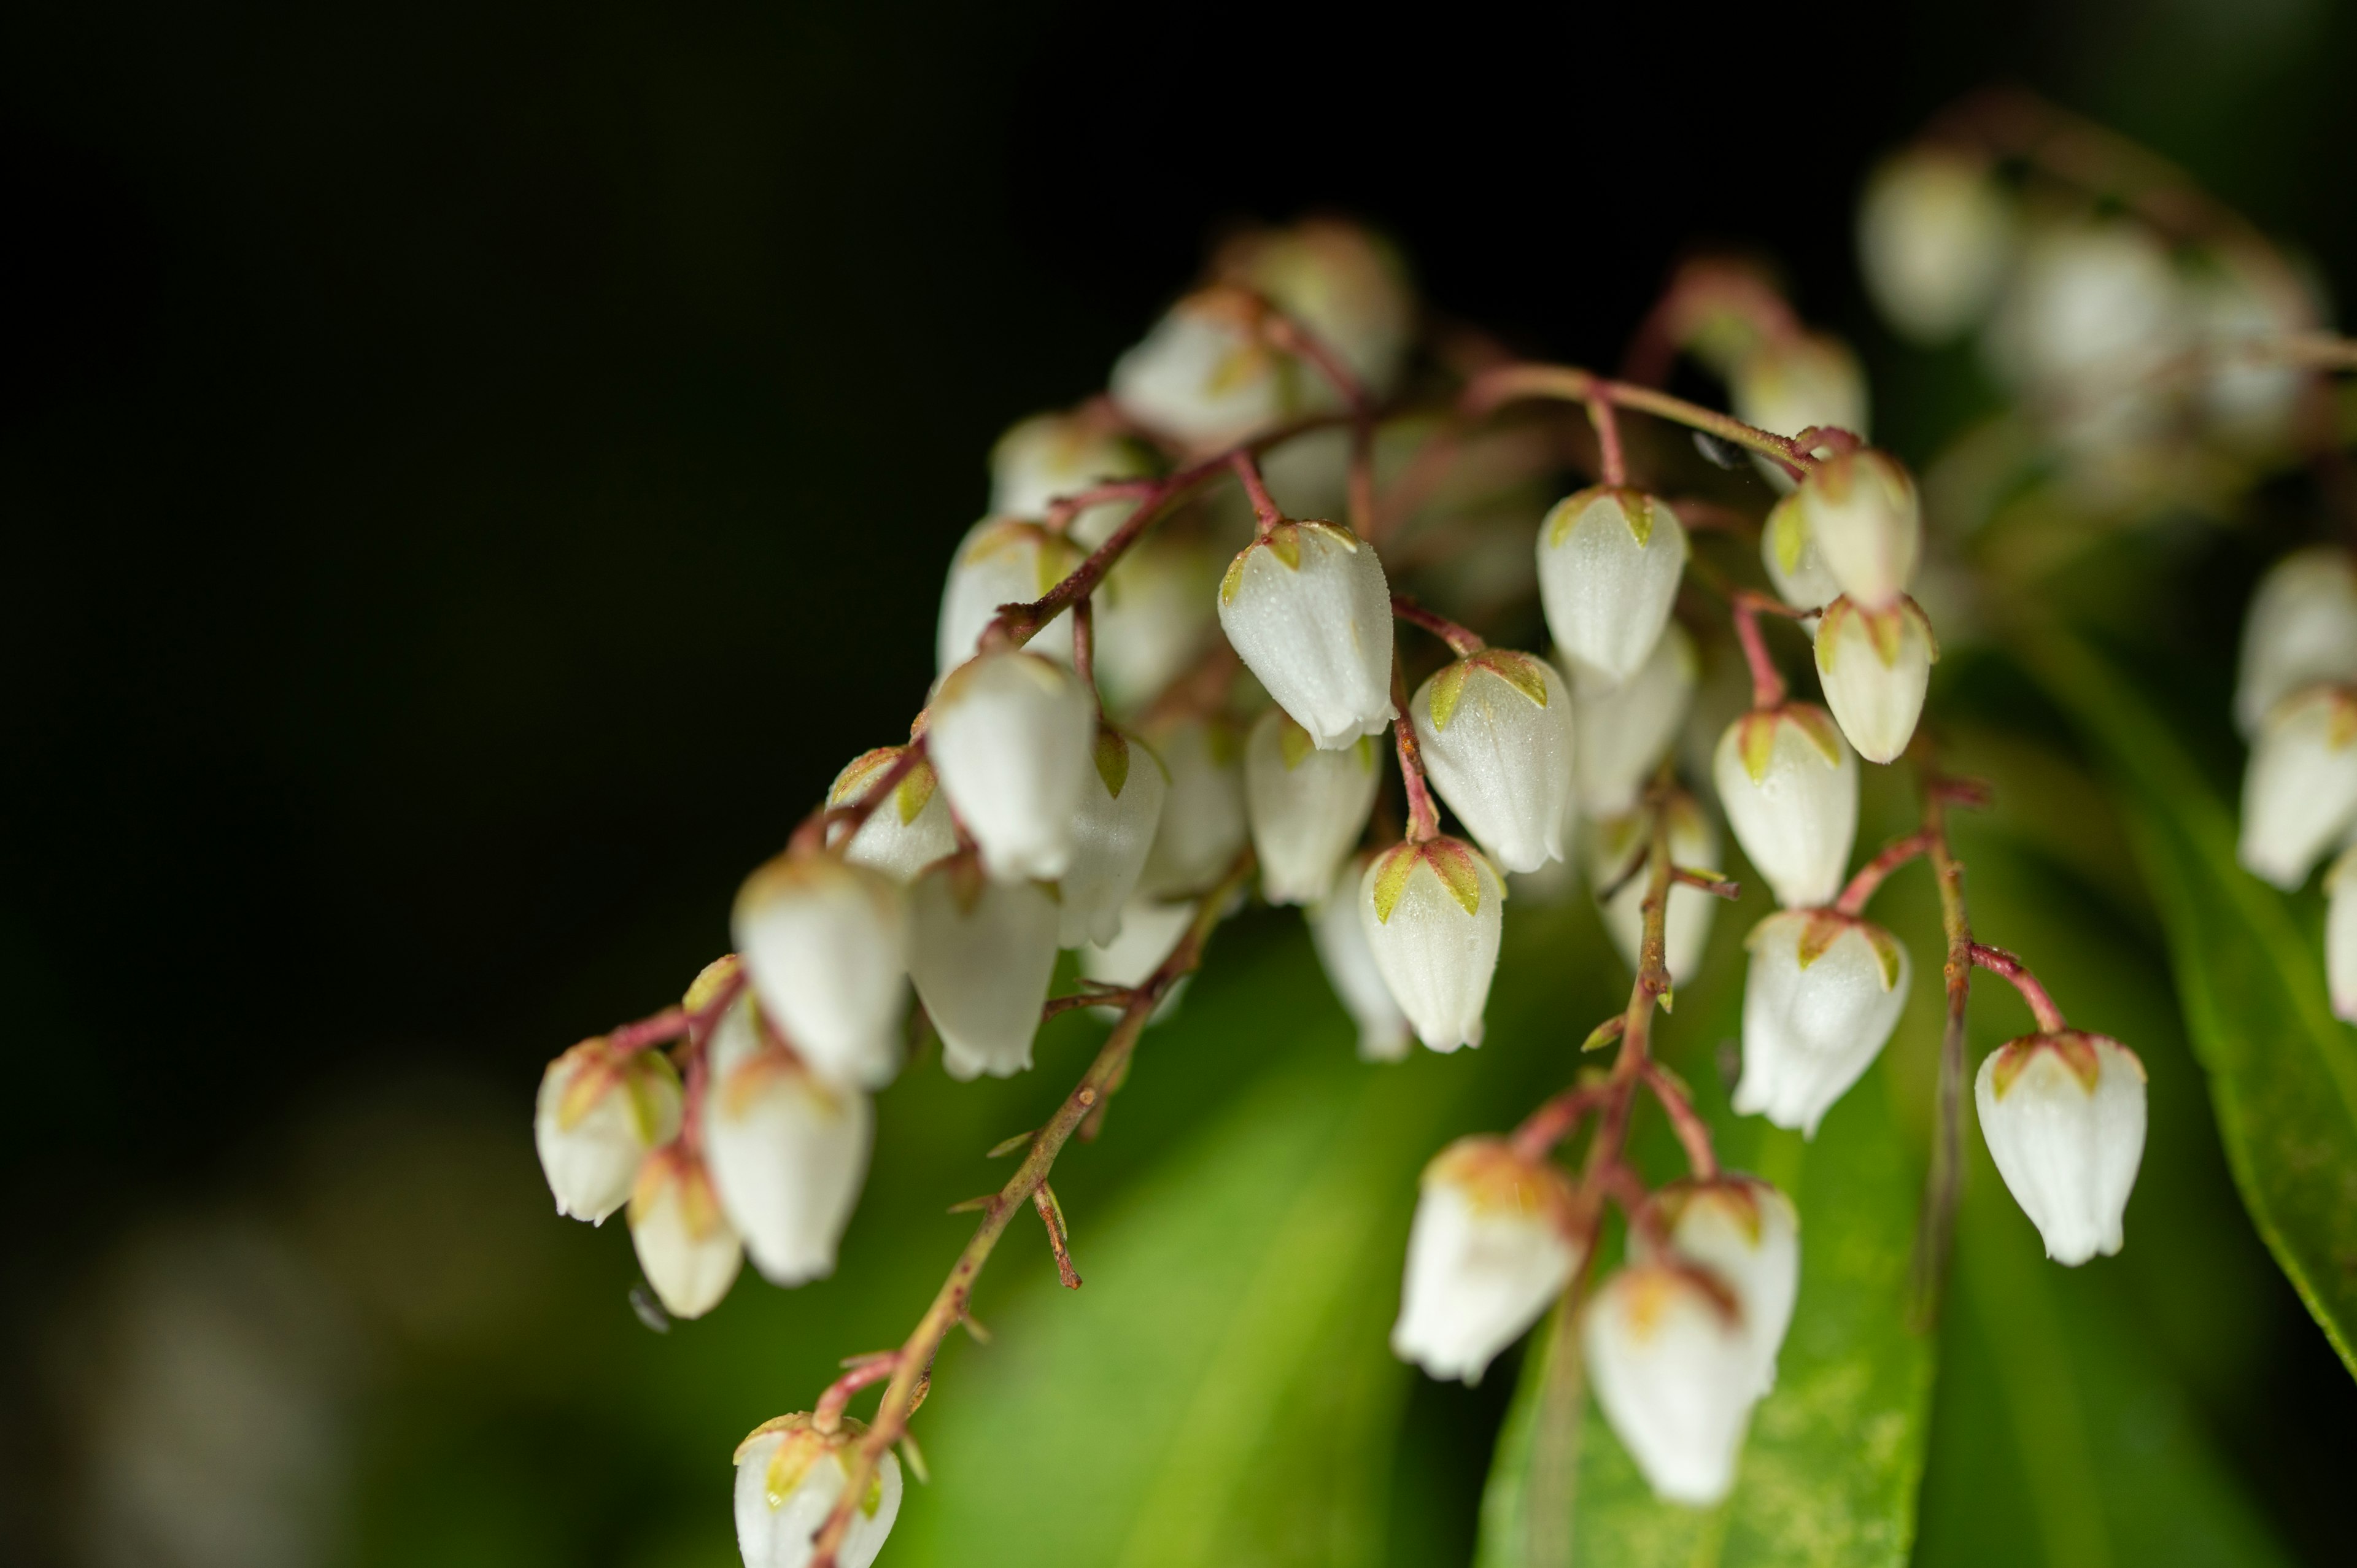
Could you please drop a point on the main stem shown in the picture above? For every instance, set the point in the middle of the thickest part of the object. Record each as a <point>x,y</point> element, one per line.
<point>1945,1184</point>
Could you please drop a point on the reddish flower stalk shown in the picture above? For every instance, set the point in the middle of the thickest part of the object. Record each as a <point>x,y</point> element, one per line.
<point>1461,641</point>
<point>1557,1118</point>
<point>1264,507</point>
<point>1507,384</point>
<point>811,835</point>
<point>1423,815</point>
<point>1871,875</point>
<point>1747,606</point>
<point>864,1369</point>
<point>677,1022</point>
<point>1691,1133</point>
<point>1608,439</point>
<point>1998,962</point>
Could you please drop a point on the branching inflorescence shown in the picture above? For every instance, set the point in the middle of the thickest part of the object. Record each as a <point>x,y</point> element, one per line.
<point>1087,775</point>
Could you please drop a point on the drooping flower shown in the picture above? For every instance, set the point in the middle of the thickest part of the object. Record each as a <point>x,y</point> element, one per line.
<point>600,1112</point>
<point>1822,995</point>
<point>1624,729</point>
<point>1002,561</point>
<point>1121,808</point>
<point>1012,736</point>
<point>685,1246</point>
<point>904,834</point>
<point>1149,933</point>
<point>1614,843</point>
<point>826,945</point>
<point>1495,728</point>
<point>1307,807</point>
<point>1153,617</point>
<point>1432,913</point>
<point>982,953</point>
<point>1204,376</point>
<point>2341,935</point>
<point>1867,522</point>
<point>1875,666</point>
<point>1747,1235</point>
<point>1497,1237</point>
<point>2093,310</point>
<point>1935,236</point>
<point>1050,456</point>
<point>1676,1373</point>
<point>787,1149</point>
<point>1203,826</point>
<point>2300,793</point>
<point>1349,963</point>
<point>1788,782</point>
<point>1308,611</point>
<point>2301,631</point>
<point>1610,560</point>
<point>789,1477</point>
<point>2063,1113</point>
<point>1345,285</point>
<point>1793,562</point>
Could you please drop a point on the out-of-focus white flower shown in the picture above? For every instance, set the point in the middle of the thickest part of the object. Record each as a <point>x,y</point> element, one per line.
<point>1610,559</point>
<point>2301,631</point>
<point>1120,808</point>
<point>982,953</point>
<point>789,1477</point>
<point>2090,319</point>
<point>1496,1237</point>
<point>1822,995</point>
<point>1204,376</point>
<point>1624,730</point>
<point>1307,807</point>
<point>1432,913</point>
<point>1154,618</point>
<point>599,1113</point>
<point>904,834</point>
<point>1150,932</point>
<point>1349,963</point>
<point>2063,1113</point>
<point>1934,237</point>
<point>1614,843</point>
<point>1875,666</point>
<point>826,945</point>
<point>1789,783</point>
<point>2341,935</point>
<point>1346,286</point>
<point>1003,561</point>
<point>1050,456</point>
<point>2241,300</point>
<point>1748,1236</point>
<point>686,1247</point>
<point>1203,817</point>
<point>2300,793</point>
<point>1795,566</point>
<point>1786,385</point>
<point>1013,738</point>
<point>787,1149</point>
<point>1495,728</point>
<point>1867,522</point>
<point>1308,611</point>
<point>1676,1373</point>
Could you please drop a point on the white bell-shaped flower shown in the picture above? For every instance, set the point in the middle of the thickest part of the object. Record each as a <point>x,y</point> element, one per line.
<point>1432,914</point>
<point>1875,666</point>
<point>2093,311</point>
<point>787,1149</point>
<point>1934,237</point>
<point>1624,729</point>
<point>1676,1374</point>
<point>1789,783</point>
<point>1495,728</point>
<point>1867,522</point>
<point>1821,996</point>
<point>1203,826</point>
<point>1349,963</point>
<point>1610,561</point>
<point>1204,376</point>
<point>1013,738</point>
<point>1495,1239</point>
<point>1307,610</point>
<point>2301,631</point>
<point>599,1113</point>
<point>1050,456</point>
<point>2341,935</point>
<point>1747,1235</point>
<point>789,1477</point>
<point>685,1246</point>
<point>1307,807</point>
<point>904,834</point>
<point>2300,793</point>
<point>1345,285</point>
<point>1794,563</point>
<point>2064,1113</point>
<point>2243,300</point>
<point>1154,618</point>
<point>1614,843</point>
<point>1786,385</point>
<point>982,953</point>
<point>1003,561</point>
<point>1150,932</point>
<point>1120,808</point>
<point>826,945</point>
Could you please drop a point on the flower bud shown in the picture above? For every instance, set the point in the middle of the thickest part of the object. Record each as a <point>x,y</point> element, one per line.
<point>789,1477</point>
<point>1149,933</point>
<point>1050,456</point>
<point>1748,1236</point>
<point>1121,808</point>
<point>1789,553</point>
<point>2300,793</point>
<point>1787,384</point>
<point>1934,235</point>
<point>686,1247</point>
<point>1202,825</point>
<point>1350,965</point>
<point>1676,1374</point>
<point>1432,914</point>
<point>786,1148</point>
<point>1003,561</point>
<point>598,1113</point>
<point>2063,1115</point>
<point>1614,843</point>
<point>1308,611</point>
<point>826,945</point>
<point>1496,733</point>
<point>2301,631</point>
<point>2341,935</point>
<point>1307,807</point>
<point>904,834</point>
<point>1203,376</point>
<point>1012,736</point>
<point>1610,560</point>
<point>1345,285</point>
<point>1154,618</point>
<point>1496,1239</point>
<point>1625,729</point>
<point>1821,996</point>
<point>1875,666</point>
<point>982,953</point>
<point>1866,523</point>
<point>1789,783</point>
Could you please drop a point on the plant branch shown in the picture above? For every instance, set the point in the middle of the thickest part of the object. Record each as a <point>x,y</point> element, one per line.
<point>1568,383</point>
<point>1461,642</point>
<point>1943,1184</point>
<point>1998,962</point>
<point>1871,875</point>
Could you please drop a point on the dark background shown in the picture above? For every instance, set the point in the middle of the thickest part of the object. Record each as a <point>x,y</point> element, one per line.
<point>469,475</point>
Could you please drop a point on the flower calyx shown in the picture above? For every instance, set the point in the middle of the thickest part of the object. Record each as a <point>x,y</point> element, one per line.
<point>1282,543</point>
<point>1457,865</point>
<point>2077,1050</point>
<point>1523,672</point>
